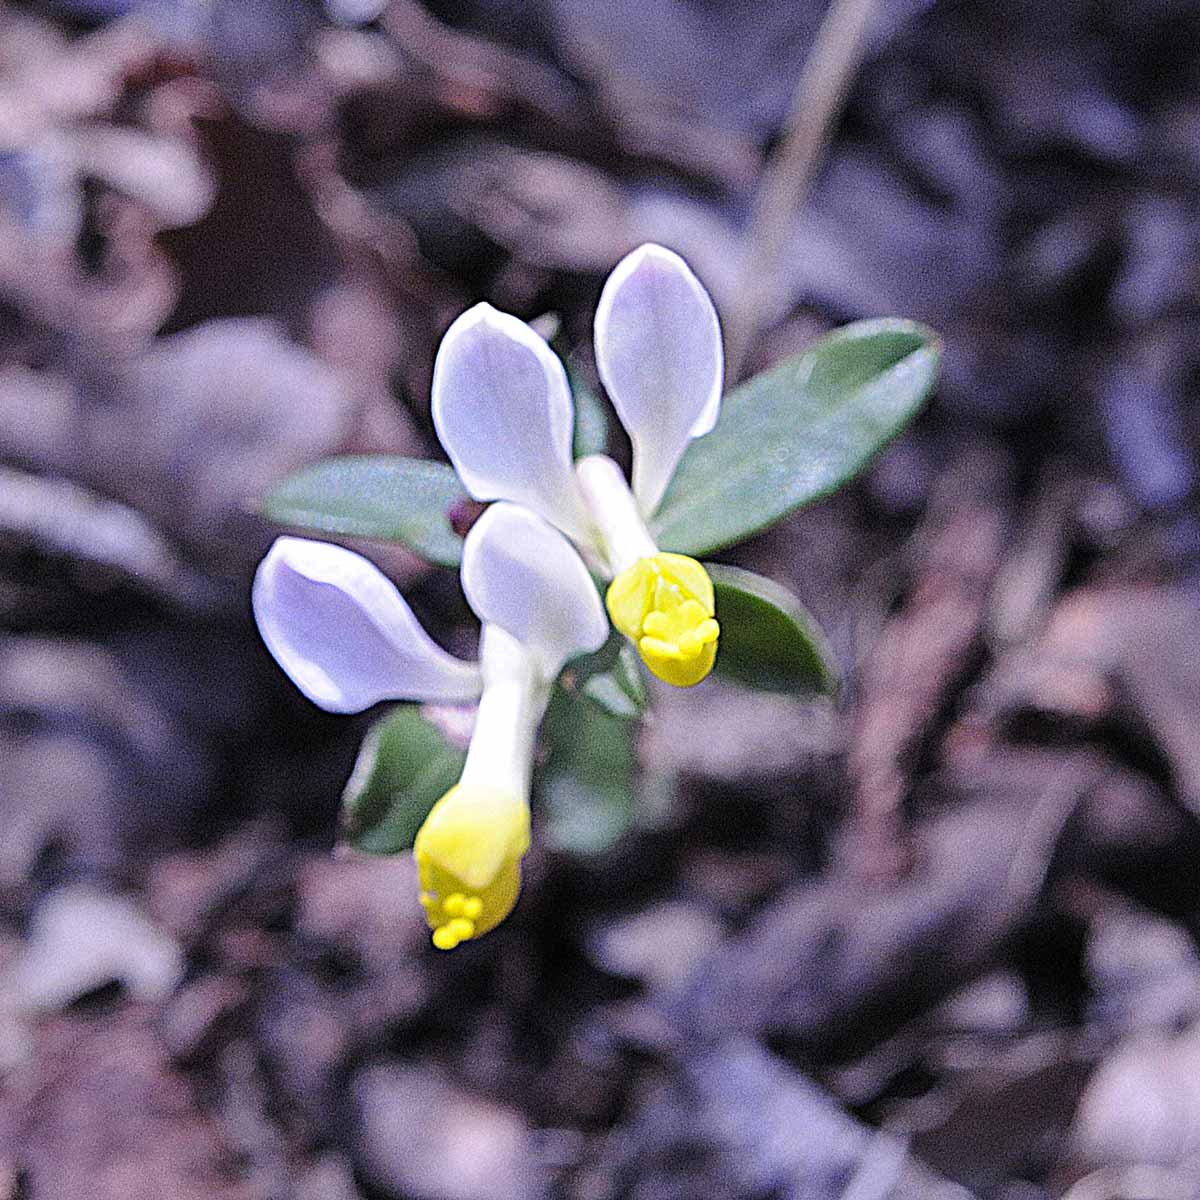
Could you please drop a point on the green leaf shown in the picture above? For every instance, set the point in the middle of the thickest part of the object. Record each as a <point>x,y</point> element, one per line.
<point>587,784</point>
<point>769,640</point>
<point>797,432</point>
<point>382,496</point>
<point>591,416</point>
<point>609,677</point>
<point>404,768</point>
<point>608,691</point>
<point>627,671</point>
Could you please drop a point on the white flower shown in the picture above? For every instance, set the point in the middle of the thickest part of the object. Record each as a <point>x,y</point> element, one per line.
<point>502,408</point>
<point>347,639</point>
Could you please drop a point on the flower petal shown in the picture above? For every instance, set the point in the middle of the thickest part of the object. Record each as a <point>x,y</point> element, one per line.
<point>521,574</point>
<point>658,350</point>
<point>343,633</point>
<point>665,606</point>
<point>469,853</point>
<point>502,408</point>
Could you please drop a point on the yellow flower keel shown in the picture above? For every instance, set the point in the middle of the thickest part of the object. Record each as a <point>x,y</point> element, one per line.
<point>664,604</point>
<point>469,853</point>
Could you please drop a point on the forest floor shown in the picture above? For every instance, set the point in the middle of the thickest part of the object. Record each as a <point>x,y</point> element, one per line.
<point>937,940</point>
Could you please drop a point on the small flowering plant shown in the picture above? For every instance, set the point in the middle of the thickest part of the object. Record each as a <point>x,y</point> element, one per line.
<point>347,638</point>
<point>564,526</point>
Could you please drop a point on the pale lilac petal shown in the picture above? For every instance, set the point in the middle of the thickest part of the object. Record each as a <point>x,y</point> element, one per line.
<point>524,576</point>
<point>658,350</point>
<point>502,408</point>
<point>343,633</point>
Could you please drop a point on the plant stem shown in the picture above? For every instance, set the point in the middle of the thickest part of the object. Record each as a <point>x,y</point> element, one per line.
<point>820,93</point>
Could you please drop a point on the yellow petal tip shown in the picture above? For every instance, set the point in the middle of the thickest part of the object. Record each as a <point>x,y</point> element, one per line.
<point>665,605</point>
<point>469,853</point>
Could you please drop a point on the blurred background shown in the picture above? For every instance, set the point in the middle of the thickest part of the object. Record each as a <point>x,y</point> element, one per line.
<point>936,941</point>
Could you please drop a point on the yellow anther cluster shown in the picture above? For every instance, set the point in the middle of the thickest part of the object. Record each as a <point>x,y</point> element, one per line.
<point>664,604</point>
<point>454,919</point>
<point>469,854</point>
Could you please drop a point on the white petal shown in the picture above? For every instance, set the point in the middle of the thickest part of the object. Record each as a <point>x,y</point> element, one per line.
<point>343,633</point>
<point>524,576</point>
<point>502,407</point>
<point>658,350</point>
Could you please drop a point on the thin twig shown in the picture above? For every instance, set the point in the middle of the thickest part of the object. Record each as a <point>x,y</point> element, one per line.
<point>820,93</point>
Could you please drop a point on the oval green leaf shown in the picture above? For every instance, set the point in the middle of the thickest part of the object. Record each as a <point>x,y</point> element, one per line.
<point>386,497</point>
<point>769,640</point>
<point>405,766</point>
<point>797,432</point>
